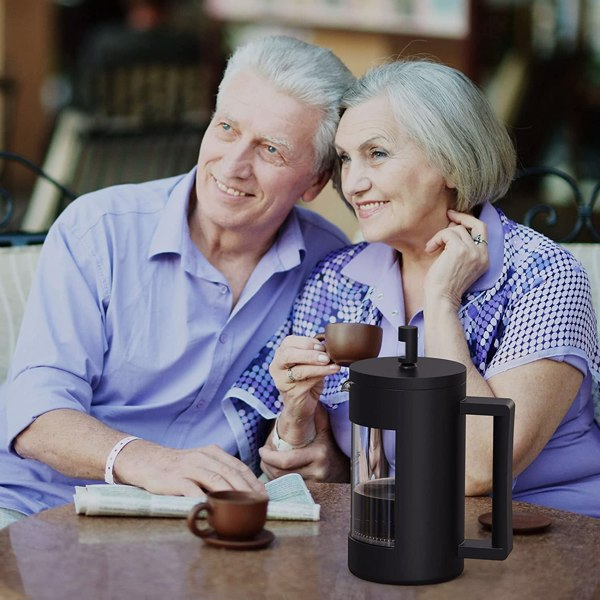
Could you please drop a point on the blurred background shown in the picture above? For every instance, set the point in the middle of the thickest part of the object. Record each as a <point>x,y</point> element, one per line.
<point>105,91</point>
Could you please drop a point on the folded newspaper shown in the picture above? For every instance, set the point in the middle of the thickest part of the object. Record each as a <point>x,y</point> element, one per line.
<point>289,499</point>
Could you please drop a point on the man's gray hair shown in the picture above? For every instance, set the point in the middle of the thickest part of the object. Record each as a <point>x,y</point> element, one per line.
<point>450,120</point>
<point>308,73</point>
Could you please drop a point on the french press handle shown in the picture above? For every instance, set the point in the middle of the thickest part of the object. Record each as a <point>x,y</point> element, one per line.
<point>503,412</point>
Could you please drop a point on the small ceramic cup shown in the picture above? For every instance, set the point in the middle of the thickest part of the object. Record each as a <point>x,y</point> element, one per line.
<point>231,515</point>
<point>348,342</point>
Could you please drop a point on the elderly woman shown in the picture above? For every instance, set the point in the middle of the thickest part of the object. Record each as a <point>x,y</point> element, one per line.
<point>422,156</point>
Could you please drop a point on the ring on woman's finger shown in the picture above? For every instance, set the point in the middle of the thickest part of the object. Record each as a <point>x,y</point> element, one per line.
<point>290,375</point>
<point>479,240</point>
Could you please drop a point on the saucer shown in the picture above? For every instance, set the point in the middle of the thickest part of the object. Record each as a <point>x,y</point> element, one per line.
<point>523,522</point>
<point>262,540</point>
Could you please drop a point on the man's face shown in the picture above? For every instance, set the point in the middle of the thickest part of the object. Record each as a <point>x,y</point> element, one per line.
<point>256,158</point>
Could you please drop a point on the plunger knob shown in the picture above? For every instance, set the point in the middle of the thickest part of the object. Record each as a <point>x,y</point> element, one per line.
<point>409,335</point>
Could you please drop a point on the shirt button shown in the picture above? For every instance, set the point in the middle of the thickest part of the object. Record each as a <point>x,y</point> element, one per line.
<point>223,338</point>
<point>223,288</point>
<point>380,295</point>
<point>394,312</point>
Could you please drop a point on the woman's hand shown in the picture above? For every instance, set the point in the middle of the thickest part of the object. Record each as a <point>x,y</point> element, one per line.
<point>322,460</point>
<point>299,366</point>
<point>463,258</point>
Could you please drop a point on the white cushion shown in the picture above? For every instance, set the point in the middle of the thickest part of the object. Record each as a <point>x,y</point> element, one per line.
<point>589,256</point>
<point>17,267</point>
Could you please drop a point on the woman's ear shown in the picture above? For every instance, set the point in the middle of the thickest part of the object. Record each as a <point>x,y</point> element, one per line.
<point>449,179</point>
<point>449,183</point>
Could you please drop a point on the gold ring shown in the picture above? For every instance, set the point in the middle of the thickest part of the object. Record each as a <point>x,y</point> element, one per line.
<point>290,375</point>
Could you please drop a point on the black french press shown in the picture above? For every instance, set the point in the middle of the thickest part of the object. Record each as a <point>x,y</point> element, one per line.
<point>407,510</point>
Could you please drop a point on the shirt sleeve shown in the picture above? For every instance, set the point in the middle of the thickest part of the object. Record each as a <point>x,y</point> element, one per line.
<point>552,316</point>
<point>58,358</point>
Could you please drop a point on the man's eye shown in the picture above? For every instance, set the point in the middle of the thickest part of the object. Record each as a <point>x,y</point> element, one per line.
<point>226,126</point>
<point>272,149</point>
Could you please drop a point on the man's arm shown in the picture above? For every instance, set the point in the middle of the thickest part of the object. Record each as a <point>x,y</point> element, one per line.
<point>55,438</point>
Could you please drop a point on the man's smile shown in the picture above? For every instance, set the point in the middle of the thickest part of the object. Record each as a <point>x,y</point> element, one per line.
<point>229,190</point>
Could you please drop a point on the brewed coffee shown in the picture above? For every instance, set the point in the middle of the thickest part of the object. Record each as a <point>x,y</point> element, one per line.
<point>373,512</point>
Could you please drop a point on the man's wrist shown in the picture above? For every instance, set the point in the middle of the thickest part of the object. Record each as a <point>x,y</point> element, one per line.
<point>112,457</point>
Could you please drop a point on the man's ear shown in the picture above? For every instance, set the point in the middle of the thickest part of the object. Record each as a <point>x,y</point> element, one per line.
<point>319,182</point>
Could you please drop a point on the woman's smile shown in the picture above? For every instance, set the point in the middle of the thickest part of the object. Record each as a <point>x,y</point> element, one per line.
<point>368,208</point>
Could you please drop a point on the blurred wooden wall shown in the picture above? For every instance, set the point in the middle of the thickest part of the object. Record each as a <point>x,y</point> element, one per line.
<point>27,54</point>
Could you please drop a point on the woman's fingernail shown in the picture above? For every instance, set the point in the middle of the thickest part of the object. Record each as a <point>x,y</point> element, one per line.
<point>319,347</point>
<point>323,358</point>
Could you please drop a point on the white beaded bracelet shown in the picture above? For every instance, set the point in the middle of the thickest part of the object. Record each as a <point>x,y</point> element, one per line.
<point>282,445</point>
<point>112,456</point>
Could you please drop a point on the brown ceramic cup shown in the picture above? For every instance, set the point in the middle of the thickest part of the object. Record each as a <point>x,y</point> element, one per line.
<point>348,342</point>
<point>231,515</point>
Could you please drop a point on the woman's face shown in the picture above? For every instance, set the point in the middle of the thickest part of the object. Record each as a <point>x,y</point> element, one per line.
<point>398,197</point>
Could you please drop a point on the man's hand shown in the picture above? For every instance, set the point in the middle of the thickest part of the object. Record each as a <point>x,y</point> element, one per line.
<point>78,445</point>
<point>183,472</point>
<point>321,460</point>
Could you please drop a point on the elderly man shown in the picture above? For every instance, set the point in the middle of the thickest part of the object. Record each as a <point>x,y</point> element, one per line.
<point>151,299</point>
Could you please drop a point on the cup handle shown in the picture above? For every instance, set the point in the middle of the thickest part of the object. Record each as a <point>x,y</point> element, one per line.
<point>193,516</point>
<point>503,412</point>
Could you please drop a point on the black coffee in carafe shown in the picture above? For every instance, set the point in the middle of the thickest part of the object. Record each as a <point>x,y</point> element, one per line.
<point>373,512</point>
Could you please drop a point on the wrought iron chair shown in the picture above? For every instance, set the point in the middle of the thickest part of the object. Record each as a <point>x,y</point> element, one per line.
<point>16,236</point>
<point>551,201</point>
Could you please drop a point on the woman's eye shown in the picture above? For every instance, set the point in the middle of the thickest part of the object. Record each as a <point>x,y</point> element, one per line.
<point>378,154</point>
<point>343,158</point>
<point>225,126</point>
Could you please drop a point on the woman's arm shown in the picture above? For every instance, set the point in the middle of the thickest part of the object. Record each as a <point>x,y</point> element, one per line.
<point>298,368</point>
<point>321,460</point>
<point>542,391</point>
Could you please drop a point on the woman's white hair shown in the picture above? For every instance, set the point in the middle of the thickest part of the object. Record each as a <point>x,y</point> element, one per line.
<point>309,73</point>
<point>444,113</point>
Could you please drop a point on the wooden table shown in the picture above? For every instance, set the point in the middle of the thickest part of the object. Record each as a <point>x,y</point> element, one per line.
<point>59,555</point>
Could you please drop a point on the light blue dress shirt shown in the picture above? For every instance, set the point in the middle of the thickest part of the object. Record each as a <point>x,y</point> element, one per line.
<point>127,321</point>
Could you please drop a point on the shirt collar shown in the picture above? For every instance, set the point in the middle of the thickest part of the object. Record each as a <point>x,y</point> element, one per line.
<point>495,239</point>
<point>173,229</point>
<point>172,235</point>
<point>376,259</point>
<point>289,247</point>
<point>370,265</point>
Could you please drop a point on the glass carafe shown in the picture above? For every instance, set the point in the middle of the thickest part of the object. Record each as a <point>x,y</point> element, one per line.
<point>372,504</point>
